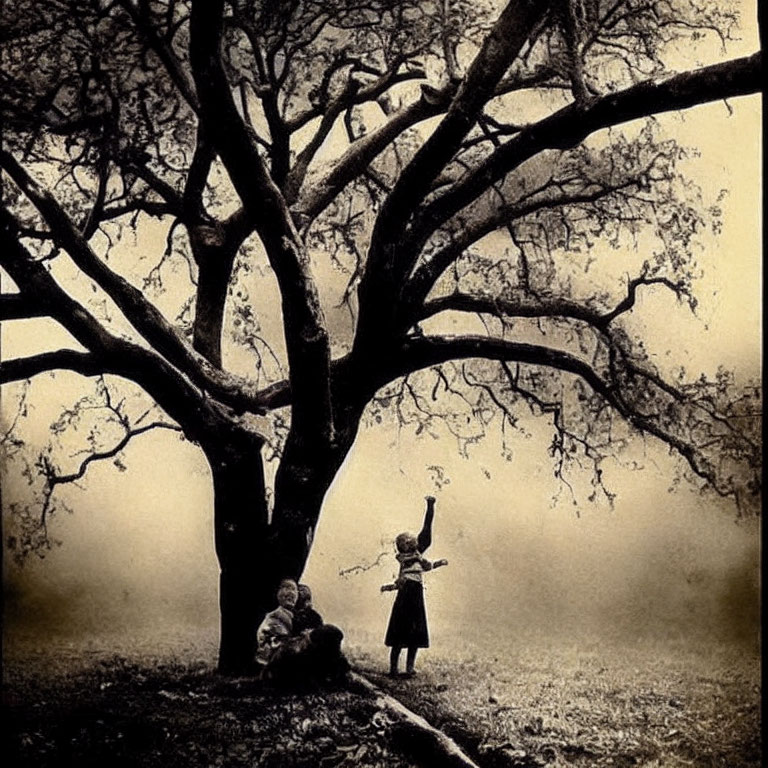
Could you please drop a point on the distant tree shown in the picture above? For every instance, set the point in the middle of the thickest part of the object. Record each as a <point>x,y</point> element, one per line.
<point>450,158</point>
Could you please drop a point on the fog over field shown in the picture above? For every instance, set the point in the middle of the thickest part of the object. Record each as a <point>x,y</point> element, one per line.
<point>524,561</point>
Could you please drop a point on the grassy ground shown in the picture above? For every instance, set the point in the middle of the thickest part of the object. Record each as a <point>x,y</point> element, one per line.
<point>144,711</point>
<point>520,704</point>
<point>652,705</point>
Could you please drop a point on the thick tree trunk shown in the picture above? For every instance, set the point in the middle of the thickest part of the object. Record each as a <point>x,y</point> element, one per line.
<point>254,552</point>
<point>247,570</point>
<point>307,469</point>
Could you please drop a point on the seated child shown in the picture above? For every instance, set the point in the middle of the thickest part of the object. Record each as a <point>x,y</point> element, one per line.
<point>276,631</point>
<point>315,661</point>
<point>295,648</point>
<point>305,617</point>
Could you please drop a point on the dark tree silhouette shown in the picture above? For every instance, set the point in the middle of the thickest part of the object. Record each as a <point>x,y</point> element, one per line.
<point>444,156</point>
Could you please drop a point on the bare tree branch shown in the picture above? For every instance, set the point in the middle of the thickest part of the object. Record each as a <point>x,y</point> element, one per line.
<point>170,388</point>
<point>84,363</point>
<point>305,332</point>
<point>424,351</point>
<point>53,479</point>
<point>570,125</point>
<point>138,11</point>
<point>354,95</point>
<point>17,306</point>
<point>316,197</point>
<point>143,315</point>
<point>499,49</point>
<point>425,276</point>
<point>538,308</point>
<point>199,168</point>
<point>56,479</point>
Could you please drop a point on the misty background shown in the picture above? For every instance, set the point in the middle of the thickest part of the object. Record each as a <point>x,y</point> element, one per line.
<point>525,557</point>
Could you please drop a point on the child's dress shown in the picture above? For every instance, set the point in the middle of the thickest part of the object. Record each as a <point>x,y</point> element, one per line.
<point>408,621</point>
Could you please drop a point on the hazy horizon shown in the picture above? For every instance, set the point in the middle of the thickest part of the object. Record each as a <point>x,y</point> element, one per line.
<point>667,565</point>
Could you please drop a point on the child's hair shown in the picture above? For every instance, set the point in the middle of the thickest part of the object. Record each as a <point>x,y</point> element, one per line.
<point>405,542</point>
<point>305,594</point>
<point>287,583</point>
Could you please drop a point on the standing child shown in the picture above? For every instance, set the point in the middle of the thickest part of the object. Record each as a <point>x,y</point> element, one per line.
<point>408,621</point>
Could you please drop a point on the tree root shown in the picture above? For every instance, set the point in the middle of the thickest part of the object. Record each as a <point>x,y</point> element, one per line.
<point>412,733</point>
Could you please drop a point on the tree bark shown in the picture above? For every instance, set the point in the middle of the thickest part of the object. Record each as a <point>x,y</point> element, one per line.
<point>247,575</point>
<point>212,285</point>
<point>307,469</point>
<point>255,552</point>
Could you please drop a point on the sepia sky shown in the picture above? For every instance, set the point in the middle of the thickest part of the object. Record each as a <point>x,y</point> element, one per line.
<point>524,556</point>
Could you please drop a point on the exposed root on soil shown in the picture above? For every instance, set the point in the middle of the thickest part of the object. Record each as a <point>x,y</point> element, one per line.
<point>413,733</point>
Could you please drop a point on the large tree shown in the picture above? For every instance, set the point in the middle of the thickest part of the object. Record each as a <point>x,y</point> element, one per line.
<point>454,164</point>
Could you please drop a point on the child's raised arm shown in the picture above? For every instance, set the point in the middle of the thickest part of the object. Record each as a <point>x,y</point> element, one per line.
<point>424,539</point>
